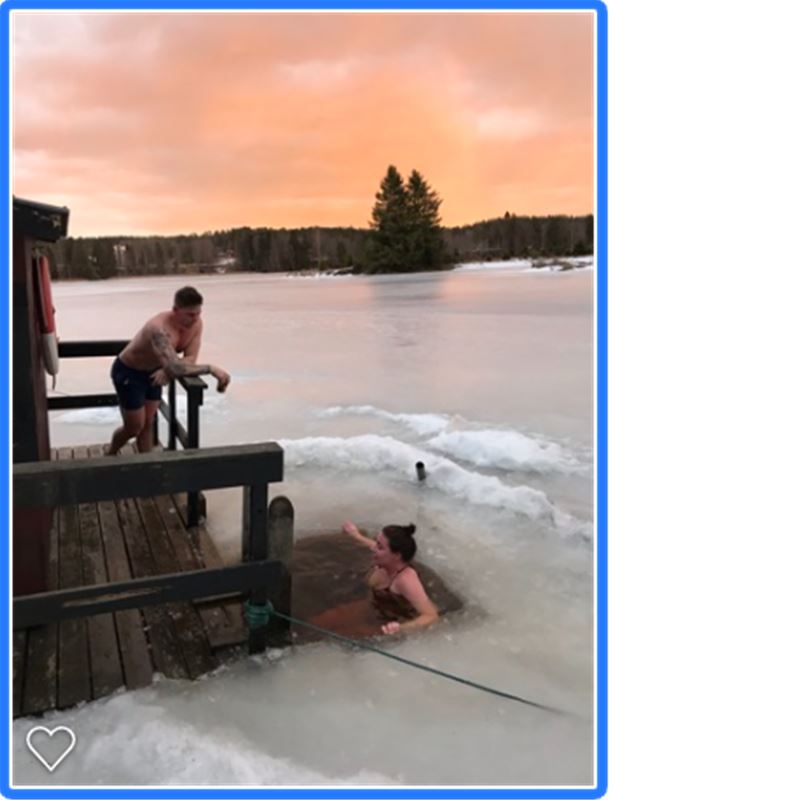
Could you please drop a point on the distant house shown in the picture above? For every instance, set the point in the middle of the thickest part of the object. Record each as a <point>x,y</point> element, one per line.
<point>121,258</point>
<point>221,264</point>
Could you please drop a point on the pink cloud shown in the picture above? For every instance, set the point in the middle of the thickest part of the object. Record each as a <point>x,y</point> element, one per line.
<point>186,122</point>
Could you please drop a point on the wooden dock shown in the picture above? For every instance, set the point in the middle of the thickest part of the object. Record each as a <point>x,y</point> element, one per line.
<point>114,576</point>
<point>62,664</point>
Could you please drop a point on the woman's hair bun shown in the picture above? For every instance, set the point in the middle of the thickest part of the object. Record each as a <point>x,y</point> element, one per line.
<point>401,540</point>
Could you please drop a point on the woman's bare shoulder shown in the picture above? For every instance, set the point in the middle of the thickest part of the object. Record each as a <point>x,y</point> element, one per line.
<point>408,578</point>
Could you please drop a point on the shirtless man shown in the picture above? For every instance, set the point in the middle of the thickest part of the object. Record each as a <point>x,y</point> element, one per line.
<point>150,360</point>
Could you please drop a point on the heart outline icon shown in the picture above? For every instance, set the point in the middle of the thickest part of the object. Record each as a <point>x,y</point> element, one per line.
<point>51,733</point>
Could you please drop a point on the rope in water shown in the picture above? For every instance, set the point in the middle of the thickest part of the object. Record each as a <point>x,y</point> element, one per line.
<point>258,616</point>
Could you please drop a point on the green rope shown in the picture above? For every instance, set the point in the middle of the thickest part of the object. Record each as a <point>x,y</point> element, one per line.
<point>441,673</point>
<point>257,616</point>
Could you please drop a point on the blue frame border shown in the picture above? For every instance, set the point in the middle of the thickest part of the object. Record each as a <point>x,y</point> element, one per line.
<point>601,455</point>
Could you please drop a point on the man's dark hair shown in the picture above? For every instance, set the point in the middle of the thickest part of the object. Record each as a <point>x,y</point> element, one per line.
<point>188,296</point>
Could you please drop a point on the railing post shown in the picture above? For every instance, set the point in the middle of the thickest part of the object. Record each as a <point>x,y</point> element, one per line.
<point>254,548</point>
<point>246,492</point>
<point>280,545</point>
<point>194,401</point>
<point>173,417</point>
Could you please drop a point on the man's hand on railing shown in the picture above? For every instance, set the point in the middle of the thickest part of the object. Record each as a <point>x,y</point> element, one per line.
<point>223,378</point>
<point>160,378</point>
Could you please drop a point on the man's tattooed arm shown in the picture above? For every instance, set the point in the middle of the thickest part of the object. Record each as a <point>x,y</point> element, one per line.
<point>171,362</point>
<point>172,366</point>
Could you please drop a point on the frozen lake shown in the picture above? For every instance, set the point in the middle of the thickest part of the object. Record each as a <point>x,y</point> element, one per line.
<point>486,375</point>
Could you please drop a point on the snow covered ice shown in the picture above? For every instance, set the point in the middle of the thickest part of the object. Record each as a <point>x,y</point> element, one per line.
<point>484,375</point>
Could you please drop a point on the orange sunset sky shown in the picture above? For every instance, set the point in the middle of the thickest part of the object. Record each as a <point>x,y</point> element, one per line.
<point>182,123</point>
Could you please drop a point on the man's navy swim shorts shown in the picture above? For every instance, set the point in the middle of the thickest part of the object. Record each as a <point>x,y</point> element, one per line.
<point>133,386</point>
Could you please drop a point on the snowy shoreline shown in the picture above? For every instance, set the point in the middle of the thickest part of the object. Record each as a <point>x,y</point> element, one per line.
<point>556,264</point>
<point>549,264</point>
<point>539,266</point>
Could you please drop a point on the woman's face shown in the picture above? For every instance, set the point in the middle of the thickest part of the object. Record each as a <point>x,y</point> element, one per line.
<point>382,556</point>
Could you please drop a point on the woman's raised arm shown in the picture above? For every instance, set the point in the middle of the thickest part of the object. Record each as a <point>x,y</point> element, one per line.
<point>352,530</point>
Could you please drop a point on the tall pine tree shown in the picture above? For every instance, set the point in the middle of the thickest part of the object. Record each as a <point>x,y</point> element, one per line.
<point>388,242</point>
<point>406,233</point>
<point>426,237</point>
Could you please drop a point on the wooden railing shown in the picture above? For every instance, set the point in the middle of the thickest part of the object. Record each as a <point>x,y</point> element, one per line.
<point>188,436</point>
<point>263,572</point>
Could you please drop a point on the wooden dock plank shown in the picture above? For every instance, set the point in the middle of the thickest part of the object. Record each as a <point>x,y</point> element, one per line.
<point>164,647</point>
<point>201,541</point>
<point>180,501</point>
<point>134,650</point>
<point>39,689</point>
<point>235,629</point>
<point>74,684</point>
<point>179,537</point>
<point>104,656</point>
<point>219,630</point>
<point>196,651</point>
<point>20,646</point>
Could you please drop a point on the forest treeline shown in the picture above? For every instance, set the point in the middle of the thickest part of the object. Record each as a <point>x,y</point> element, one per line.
<point>404,235</point>
<point>282,250</point>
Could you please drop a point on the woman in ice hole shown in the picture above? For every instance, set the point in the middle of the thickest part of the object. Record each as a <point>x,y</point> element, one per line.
<point>397,592</point>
